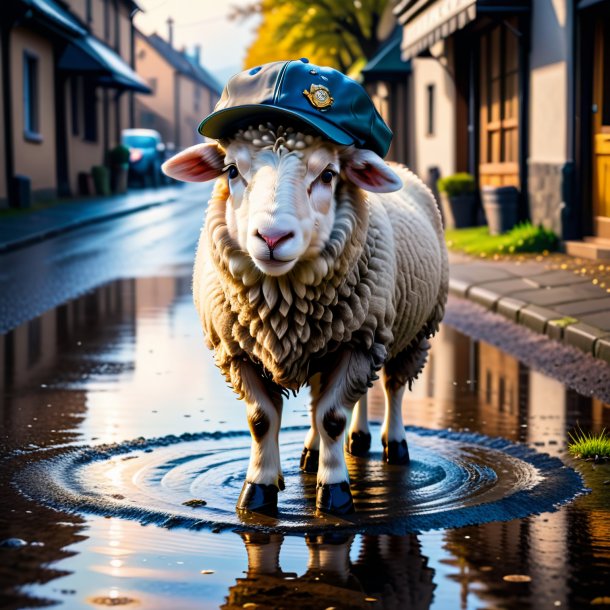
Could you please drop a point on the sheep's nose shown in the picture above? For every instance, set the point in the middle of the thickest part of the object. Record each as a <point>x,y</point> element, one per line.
<point>274,239</point>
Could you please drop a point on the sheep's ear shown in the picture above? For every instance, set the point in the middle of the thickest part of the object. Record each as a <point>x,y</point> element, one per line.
<point>370,172</point>
<point>198,163</point>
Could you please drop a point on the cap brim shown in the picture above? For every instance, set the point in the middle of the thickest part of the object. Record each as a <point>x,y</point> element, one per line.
<point>226,122</point>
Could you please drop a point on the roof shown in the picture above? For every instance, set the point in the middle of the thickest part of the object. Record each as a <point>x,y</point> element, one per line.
<point>182,63</point>
<point>387,62</point>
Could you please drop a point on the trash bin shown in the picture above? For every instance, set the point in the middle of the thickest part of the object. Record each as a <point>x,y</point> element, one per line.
<point>22,192</point>
<point>501,206</point>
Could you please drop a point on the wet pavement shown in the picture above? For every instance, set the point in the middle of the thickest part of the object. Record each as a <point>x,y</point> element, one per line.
<point>565,298</point>
<point>126,361</point>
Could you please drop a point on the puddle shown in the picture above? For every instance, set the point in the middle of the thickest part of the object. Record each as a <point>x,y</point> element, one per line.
<point>127,361</point>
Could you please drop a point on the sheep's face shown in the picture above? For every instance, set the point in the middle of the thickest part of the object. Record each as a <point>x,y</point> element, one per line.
<point>281,207</point>
<point>281,203</point>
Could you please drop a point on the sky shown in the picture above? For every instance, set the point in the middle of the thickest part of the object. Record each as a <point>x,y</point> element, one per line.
<point>204,22</point>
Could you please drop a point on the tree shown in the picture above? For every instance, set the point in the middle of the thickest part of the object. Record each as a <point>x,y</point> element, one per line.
<point>338,33</point>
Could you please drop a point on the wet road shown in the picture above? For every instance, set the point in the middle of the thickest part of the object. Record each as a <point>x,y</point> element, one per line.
<point>126,360</point>
<point>39,277</point>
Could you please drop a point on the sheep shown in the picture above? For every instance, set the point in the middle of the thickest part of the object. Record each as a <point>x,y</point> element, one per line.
<point>318,264</point>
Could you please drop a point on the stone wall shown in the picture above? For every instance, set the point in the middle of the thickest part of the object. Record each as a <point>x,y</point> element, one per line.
<point>545,182</point>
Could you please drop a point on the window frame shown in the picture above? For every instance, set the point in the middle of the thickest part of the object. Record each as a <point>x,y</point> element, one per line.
<point>500,135</point>
<point>31,97</point>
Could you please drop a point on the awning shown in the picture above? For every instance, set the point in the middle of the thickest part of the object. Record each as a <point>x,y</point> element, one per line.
<point>89,55</point>
<point>588,3</point>
<point>53,16</point>
<point>428,21</point>
<point>387,63</point>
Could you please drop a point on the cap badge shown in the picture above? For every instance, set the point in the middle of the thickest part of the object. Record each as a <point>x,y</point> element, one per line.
<point>319,96</point>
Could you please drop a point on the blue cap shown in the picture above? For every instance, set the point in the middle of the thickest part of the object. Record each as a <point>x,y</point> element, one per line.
<point>320,98</point>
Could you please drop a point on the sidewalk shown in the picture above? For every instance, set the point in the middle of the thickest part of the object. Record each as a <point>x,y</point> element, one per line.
<point>564,304</point>
<point>28,227</point>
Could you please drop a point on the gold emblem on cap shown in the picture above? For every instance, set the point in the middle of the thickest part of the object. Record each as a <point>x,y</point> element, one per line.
<point>319,96</point>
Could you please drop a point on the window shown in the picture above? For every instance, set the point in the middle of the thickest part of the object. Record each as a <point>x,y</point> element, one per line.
<point>75,105</point>
<point>89,111</point>
<point>499,118</point>
<point>31,92</point>
<point>197,98</point>
<point>152,83</point>
<point>430,108</point>
<point>89,12</point>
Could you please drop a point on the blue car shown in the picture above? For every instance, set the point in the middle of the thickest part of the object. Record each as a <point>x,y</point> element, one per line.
<point>146,154</point>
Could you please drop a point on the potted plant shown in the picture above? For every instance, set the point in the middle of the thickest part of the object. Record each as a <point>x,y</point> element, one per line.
<point>458,200</point>
<point>501,204</point>
<point>118,159</point>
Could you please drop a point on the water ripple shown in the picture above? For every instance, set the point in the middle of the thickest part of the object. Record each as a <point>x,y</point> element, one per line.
<point>454,479</point>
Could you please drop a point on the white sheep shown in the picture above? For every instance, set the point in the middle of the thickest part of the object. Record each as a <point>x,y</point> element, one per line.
<point>305,275</point>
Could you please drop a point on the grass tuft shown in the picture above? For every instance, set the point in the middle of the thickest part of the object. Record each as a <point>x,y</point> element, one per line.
<point>522,238</point>
<point>589,446</point>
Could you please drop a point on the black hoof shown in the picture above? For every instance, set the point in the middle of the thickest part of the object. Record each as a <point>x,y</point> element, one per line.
<point>309,460</point>
<point>396,452</point>
<point>258,498</point>
<point>359,443</point>
<point>334,498</point>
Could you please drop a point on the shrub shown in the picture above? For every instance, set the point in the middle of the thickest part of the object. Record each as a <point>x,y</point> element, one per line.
<point>456,184</point>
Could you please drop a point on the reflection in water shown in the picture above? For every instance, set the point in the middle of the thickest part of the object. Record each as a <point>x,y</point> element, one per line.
<point>387,572</point>
<point>128,360</point>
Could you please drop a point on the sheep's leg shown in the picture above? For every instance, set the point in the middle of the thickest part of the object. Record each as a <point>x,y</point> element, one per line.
<point>359,436</point>
<point>339,390</point>
<point>329,557</point>
<point>311,451</point>
<point>393,437</point>
<point>264,475</point>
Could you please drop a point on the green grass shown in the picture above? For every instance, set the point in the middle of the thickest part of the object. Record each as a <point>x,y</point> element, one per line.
<point>589,446</point>
<point>522,238</point>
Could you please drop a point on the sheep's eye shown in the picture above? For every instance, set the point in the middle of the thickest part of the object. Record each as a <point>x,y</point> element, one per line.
<point>232,171</point>
<point>327,176</point>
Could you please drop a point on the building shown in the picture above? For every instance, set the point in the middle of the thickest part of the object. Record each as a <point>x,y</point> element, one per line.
<point>386,78</point>
<point>518,94</point>
<point>183,92</point>
<point>67,83</point>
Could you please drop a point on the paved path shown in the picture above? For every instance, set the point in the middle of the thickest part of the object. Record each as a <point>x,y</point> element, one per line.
<point>559,303</point>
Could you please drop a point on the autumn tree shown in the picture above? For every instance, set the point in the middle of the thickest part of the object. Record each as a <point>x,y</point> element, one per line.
<point>338,33</point>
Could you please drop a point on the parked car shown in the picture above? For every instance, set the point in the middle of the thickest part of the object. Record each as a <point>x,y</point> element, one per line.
<point>146,154</point>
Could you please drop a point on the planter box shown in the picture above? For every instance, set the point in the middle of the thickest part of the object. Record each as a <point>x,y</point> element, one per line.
<point>459,211</point>
<point>501,206</point>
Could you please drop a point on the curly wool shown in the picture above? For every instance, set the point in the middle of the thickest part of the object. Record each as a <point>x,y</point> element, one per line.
<point>377,287</point>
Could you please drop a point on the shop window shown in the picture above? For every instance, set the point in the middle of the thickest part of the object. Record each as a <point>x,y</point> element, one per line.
<point>75,105</point>
<point>31,93</point>
<point>499,107</point>
<point>430,94</point>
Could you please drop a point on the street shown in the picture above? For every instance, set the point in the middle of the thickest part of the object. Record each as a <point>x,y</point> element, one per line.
<point>41,276</point>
